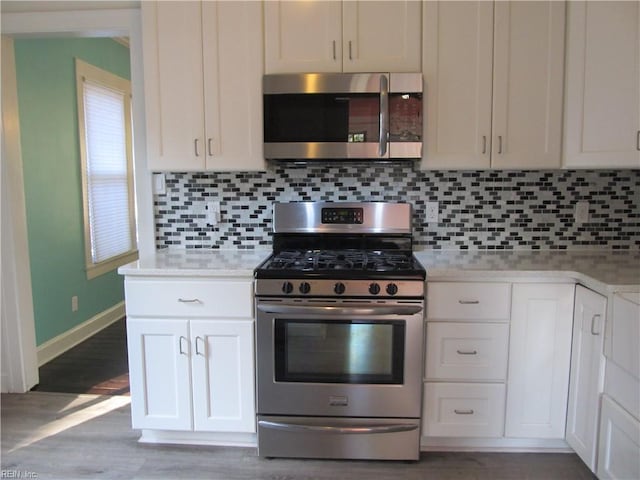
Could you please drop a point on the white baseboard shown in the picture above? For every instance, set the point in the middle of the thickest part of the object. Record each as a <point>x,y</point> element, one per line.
<point>229,439</point>
<point>501,444</point>
<point>69,339</point>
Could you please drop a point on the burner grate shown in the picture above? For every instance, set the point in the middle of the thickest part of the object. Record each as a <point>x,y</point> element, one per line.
<point>340,260</point>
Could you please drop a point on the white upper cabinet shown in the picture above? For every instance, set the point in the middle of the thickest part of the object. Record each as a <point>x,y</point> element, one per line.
<point>349,36</point>
<point>457,72</point>
<point>203,69</point>
<point>493,77</point>
<point>302,36</point>
<point>602,108</point>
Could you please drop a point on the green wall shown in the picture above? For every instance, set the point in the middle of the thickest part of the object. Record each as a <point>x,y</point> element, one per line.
<point>52,176</point>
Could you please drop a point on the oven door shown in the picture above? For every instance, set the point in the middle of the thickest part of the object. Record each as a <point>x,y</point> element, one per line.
<point>340,358</point>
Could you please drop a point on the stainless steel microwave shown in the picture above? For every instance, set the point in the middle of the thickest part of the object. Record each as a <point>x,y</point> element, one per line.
<point>333,116</point>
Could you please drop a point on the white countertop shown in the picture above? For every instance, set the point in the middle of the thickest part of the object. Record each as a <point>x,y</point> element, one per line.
<point>184,262</point>
<point>603,270</point>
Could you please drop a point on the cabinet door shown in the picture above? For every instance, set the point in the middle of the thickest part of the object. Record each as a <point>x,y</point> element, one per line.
<point>223,375</point>
<point>539,360</point>
<point>302,36</point>
<point>381,36</point>
<point>457,71</point>
<point>174,89</point>
<point>602,109</point>
<point>587,370</point>
<point>619,443</point>
<point>159,373</point>
<point>233,66</point>
<point>528,76</point>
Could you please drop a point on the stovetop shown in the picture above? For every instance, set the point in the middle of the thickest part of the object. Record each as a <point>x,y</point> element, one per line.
<point>341,264</point>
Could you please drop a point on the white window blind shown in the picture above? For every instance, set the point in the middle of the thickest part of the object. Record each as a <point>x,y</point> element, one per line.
<point>107,178</point>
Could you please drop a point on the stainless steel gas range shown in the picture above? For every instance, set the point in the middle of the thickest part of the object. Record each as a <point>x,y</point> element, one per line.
<point>340,333</point>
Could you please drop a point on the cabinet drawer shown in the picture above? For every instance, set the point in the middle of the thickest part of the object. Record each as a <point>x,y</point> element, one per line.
<point>221,298</point>
<point>463,410</point>
<point>467,351</point>
<point>468,301</point>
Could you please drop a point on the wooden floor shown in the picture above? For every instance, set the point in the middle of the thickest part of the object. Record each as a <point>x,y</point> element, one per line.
<point>98,365</point>
<point>66,436</point>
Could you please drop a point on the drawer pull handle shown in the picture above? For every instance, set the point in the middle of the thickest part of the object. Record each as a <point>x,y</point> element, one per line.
<point>189,300</point>
<point>468,302</point>
<point>593,324</point>
<point>467,352</point>
<point>464,412</point>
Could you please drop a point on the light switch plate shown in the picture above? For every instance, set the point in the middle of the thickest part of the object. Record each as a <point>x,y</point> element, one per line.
<point>159,184</point>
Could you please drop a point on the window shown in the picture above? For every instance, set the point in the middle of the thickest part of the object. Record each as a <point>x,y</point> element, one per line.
<point>104,122</point>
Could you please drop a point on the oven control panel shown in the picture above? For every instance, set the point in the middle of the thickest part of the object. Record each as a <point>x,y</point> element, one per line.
<point>346,288</point>
<point>343,216</point>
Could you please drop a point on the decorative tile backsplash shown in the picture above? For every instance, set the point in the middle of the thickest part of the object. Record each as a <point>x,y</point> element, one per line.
<point>478,210</point>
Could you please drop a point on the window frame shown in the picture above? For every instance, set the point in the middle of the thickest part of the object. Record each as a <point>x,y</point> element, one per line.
<point>108,80</point>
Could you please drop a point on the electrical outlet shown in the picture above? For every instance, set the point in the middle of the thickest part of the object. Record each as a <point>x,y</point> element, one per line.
<point>431,210</point>
<point>74,303</point>
<point>213,213</point>
<point>581,212</point>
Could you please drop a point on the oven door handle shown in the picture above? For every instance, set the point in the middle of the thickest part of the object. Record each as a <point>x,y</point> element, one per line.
<point>335,310</point>
<point>363,429</point>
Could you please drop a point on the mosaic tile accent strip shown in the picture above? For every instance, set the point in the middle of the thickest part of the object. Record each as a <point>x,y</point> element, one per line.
<point>478,210</point>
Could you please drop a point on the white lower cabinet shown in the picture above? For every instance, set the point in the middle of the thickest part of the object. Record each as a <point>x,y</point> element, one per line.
<point>619,444</point>
<point>466,359</point>
<point>191,374</point>
<point>587,374</point>
<point>191,354</point>
<point>539,360</point>
<point>619,439</point>
<point>497,364</point>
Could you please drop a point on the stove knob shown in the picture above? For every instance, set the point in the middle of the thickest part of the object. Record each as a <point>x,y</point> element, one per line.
<point>305,287</point>
<point>287,287</point>
<point>374,289</point>
<point>392,289</point>
<point>339,288</point>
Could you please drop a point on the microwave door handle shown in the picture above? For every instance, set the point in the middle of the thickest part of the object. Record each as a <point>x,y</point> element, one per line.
<point>384,116</point>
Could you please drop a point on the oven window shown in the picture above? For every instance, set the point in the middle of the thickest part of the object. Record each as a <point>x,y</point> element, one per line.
<point>339,351</point>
